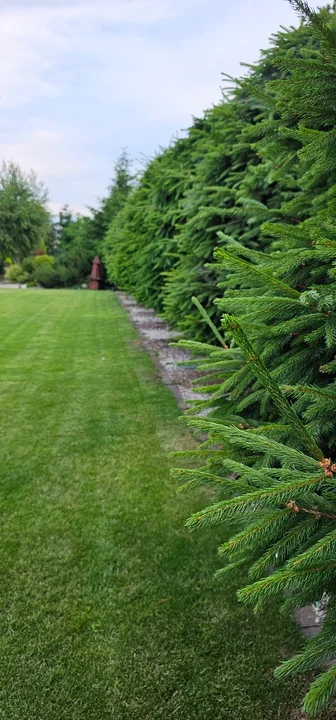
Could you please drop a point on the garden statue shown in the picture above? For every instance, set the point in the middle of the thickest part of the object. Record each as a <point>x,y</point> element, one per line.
<point>97,275</point>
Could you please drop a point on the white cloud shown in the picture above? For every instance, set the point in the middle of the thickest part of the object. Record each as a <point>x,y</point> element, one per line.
<point>65,164</point>
<point>44,150</point>
<point>36,41</point>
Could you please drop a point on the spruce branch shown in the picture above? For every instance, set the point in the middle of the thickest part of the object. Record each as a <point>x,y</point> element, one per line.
<point>255,443</point>
<point>232,324</point>
<point>323,549</point>
<point>257,533</point>
<point>320,692</point>
<point>286,579</point>
<point>196,478</point>
<point>268,498</point>
<point>261,275</point>
<point>306,12</point>
<point>293,505</point>
<point>312,657</point>
<point>206,317</point>
<point>286,545</point>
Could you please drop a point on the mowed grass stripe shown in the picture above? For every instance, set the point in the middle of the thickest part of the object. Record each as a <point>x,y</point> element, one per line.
<point>108,606</point>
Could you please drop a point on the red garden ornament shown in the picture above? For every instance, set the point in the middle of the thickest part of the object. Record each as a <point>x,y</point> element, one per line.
<point>97,275</point>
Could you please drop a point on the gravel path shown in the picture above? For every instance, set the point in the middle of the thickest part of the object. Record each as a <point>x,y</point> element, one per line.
<point>156,337</point>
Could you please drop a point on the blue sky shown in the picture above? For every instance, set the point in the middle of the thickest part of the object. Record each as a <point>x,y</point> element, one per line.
<point>82,79</point>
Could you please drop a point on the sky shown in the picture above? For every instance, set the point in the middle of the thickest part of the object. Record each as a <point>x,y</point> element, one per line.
<point>80,80</point>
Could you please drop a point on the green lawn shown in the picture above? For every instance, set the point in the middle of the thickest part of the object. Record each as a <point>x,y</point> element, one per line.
<point>108,606</point>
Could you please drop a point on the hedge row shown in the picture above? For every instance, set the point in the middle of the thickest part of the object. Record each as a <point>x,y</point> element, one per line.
<point>235,168</point>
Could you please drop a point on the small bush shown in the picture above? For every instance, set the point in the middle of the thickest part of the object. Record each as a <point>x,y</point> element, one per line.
<point>46,276</point>
<point>28,265</point>
<point>31,265</point>
<point>42,260</point>
<point>16,274</point>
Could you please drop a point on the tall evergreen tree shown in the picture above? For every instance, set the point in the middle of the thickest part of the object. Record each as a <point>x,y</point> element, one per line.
<point>140,245</point>
<point>118,190</point>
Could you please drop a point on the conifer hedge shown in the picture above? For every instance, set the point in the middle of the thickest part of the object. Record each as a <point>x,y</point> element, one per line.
<point>271,446</point>
<point>221,176</point>
<point>254,182</point>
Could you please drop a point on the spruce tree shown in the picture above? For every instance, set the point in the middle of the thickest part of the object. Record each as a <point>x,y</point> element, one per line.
<point>140,245</point>
<point>118,192</point>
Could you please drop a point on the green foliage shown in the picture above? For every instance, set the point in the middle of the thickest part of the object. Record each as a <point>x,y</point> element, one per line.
<point>270,449</point>
<point>16,274</point>
<point>285,301</point>
<point>76,248</point>
<point>28,265</point>
<point>77,240</point>
<point>38,269</point>
<point>280,501</point>
<point>25,221</point>
<point>47,275</point>
<point>118,193</point>
<point>140,245</point>
<point>220,177</point>
<point>41,260</point>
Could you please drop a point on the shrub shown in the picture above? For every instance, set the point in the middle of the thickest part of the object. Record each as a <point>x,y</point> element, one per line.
<point>16,274</point>
<point>28,265</point>
<point>40,260</point>
<point>46,275</point>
